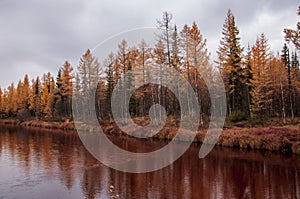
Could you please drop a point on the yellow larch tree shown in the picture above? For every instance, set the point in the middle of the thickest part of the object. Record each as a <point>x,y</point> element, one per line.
<point>26,92</point>
<point>66,89</point>
<point>35,98</point>
<point>261,93</point>
<point>46,93</point>
<point>1,100</point>
<point>294,35</point>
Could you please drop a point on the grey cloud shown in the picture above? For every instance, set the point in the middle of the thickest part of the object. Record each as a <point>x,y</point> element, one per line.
<point>45,33</point>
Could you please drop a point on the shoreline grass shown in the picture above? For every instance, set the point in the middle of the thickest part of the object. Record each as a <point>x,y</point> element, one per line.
<point>284,138</point>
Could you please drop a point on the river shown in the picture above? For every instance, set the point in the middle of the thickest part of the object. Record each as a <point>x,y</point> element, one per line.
<point>41,164</point>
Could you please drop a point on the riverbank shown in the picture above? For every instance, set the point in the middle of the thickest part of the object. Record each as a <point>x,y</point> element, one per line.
<point>284,138</point>
<point>67,125</point>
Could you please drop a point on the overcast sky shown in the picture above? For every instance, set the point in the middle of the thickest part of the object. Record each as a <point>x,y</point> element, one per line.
<point>38,36</point>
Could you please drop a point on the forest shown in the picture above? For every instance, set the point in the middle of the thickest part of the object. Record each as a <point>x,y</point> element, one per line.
<point>260,83</point>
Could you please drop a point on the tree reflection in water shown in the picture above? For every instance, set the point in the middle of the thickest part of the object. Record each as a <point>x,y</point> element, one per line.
<point>38,163</point>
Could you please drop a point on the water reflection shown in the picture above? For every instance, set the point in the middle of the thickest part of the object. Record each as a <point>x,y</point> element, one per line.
<point>37,163</point>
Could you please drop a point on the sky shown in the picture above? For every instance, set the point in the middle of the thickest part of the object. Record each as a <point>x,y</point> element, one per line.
<point>38,36</point>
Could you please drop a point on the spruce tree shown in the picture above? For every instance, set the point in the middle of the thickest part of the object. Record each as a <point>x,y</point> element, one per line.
<point>230,64</point>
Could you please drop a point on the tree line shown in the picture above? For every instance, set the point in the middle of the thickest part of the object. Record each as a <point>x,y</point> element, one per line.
<point>258,82</point>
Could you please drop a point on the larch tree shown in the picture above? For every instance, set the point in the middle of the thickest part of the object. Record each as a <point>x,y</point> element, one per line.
<point>230,63</point>
<point>4,102</point>
<point>176,59</point>
<point>109,63</point>
<point>66,88</point>
<point>294,35</point>
<point>26,92</point>
<point>248,77</point>
<point>120,69</point>
<point>19,95</point>
<point>199,66</point>
<point>187,69</point>
<point>35,98</point>
<point>46,94</point>
<point>122,58</point>
<point>88,74</point>
<point>165,24</point>
<point>88,70</point>
<point>77,94</point>
<point>294,61</point>
<point>257,83</point>
<point>175,50</point>
<point>10,99</point>
<point>261,93</point>
<point>295,81</point>
<point>159,59</point>
<point>1,102</point>
<point>280,86</point>
<point>143,60</point>
<point>166,27</point>
<point>57,95</point>
<point>130,81</point>
<point>184,43</point>
<point>133,62</point>
<point>49,109</point>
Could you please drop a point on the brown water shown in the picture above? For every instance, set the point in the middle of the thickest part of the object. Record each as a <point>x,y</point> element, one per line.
<point>43,164</point>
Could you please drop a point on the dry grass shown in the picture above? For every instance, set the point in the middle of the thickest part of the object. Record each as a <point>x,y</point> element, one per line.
<point>49,125</point>
<point>272,138</point>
